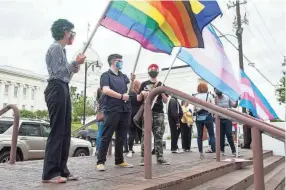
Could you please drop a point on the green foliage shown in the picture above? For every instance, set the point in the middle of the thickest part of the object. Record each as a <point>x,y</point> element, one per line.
<point>78,105</point>
<point>280,91</point>
<point>39,114</point>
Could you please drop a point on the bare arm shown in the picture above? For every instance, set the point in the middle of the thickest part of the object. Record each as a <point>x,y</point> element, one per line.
<point>107,91</point>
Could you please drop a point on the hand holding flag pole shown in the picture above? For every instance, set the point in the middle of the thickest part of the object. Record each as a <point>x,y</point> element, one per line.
<point>173,62</point>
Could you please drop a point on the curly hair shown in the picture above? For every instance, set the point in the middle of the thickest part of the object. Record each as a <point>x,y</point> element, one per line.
<point>59,27</point>
<point>202,88</point>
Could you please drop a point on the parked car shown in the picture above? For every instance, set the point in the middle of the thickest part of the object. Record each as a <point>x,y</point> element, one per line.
<point>32,141</point>
<point>89,135</point>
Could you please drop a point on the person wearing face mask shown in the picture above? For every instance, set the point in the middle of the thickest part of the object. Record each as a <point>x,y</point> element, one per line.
<point>158,127</point>
<point>57,97</point>
<point>117,111</point>
<point>224,101</point>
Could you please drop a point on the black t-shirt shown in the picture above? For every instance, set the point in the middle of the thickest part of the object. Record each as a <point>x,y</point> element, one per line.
<point>118,83</point>
<point>148,86</point>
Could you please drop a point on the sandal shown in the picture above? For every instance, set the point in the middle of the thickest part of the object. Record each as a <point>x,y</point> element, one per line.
<point>57,179</point>
<point>209,151</point>
<point>72,178</point>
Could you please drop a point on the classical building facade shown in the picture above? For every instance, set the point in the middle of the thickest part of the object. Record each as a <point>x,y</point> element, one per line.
<point>26,89</point>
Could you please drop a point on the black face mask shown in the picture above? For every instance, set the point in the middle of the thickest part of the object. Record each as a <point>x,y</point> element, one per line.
<point>153,74</point>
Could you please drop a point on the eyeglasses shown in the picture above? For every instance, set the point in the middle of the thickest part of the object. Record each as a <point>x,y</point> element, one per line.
<point>73,34</point>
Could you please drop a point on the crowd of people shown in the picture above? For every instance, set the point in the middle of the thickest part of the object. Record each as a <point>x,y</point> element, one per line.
<point>120,111</point>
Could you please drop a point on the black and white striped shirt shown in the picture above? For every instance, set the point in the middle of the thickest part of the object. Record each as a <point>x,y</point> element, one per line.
<point>57,64</point>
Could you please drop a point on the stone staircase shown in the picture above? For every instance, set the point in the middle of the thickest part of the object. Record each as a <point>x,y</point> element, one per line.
<point>226,176</point>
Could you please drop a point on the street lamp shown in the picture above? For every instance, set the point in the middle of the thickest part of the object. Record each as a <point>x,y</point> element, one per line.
<point>87,65</point>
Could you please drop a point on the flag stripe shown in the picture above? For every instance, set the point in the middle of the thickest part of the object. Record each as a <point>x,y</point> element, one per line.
<point>256,100</point>
<point>192,38</point>
<point>152,12</point>
<point>121,29</point>
<point>124,27</point>
<point>205,72</point>
<point>137,16</point>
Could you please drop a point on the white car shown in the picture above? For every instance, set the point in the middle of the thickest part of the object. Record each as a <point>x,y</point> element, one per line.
<point>32,141</point>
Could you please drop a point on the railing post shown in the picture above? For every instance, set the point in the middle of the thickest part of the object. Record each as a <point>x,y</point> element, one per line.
<point>147,136</point>
<point>16,114</point>
<point>257,159</point>
<point>217,131</point>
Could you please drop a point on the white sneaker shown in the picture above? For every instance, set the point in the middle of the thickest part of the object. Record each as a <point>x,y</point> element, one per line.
<point>130,154</point>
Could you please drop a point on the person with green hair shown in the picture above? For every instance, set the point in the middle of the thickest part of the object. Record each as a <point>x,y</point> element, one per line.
<point>57,97</point>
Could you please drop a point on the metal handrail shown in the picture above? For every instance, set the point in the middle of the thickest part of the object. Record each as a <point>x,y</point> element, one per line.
<point>13,150</point>
<point>256,127</point>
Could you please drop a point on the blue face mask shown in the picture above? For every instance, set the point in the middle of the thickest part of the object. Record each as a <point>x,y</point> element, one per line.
<point>119,65</point>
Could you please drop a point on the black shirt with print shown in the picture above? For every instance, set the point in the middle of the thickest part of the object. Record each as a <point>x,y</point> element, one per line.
<point>148,86</point>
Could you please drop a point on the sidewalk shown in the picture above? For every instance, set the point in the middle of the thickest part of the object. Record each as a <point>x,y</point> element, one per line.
<point>27,175</point>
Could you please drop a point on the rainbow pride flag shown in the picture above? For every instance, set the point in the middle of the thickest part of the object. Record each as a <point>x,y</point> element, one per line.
<point>161,25</point>
<point>254,100</point>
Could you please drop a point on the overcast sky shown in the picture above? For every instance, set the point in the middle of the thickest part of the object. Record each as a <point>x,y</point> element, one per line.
<point>25,37</point>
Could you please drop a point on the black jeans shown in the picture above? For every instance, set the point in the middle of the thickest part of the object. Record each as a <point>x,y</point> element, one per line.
<point>210,127</point>
<point>186,136</point>
<point>226,130</point>
<point>175,133</point>
<point>118,122</point>
<point>58,101</point>
<point>132,134</point>
<point>247,136</point>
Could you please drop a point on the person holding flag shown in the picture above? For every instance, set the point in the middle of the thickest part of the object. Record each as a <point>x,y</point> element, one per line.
<point>57,97</point>
<point>158,126</point>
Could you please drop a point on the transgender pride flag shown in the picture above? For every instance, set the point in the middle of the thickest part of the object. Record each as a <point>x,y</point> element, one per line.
<point>253,99</point>
<point>212,64</point>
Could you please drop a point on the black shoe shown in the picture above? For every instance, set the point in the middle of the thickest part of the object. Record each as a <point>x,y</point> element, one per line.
<point>125,151</point>
<point>153,151</point>
<point>245,147</point>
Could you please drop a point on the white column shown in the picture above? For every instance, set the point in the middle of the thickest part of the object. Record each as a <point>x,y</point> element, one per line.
<point>2,89</point>
<point>20,96</point>
<point>10,93</point>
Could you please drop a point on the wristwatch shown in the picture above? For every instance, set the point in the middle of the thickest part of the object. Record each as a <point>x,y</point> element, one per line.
<point>75,63</point>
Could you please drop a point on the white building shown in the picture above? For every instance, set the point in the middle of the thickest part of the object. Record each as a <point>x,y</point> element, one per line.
<point>26,89</point>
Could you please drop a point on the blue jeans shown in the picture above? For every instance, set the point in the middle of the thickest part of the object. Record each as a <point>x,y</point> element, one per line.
<point>208,123</point>
<point>99,134</point>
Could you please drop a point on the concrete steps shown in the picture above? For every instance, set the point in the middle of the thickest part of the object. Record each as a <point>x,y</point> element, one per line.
<point>275,179</point>
<point>242,178</point>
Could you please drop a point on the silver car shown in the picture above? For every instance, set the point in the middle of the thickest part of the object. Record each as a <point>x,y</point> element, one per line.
<point>32,141</point>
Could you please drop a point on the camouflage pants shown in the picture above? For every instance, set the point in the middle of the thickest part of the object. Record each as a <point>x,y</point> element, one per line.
<point>158,129</point>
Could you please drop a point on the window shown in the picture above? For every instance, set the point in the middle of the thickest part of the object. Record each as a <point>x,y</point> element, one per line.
<point>15,92</point>
<point>47,130</point>
<point>81,93</point>
<point>92,67</point>
<point>32,108</point>
<point>23,107</point>
<point>5,125</point>
<point>30,129</point>
<point>25,92</point>
<point>6,90</point>
<point>33,94</point>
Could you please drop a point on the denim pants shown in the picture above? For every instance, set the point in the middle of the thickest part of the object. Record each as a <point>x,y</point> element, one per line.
<point>208,123</point>
<point>99,134</point>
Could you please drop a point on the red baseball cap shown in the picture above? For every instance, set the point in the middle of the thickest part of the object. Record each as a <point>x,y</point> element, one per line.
<point>153,67</point>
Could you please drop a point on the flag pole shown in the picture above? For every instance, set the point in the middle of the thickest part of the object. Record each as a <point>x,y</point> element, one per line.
<point>134,68</point>
<point>96,27</point>
<point>173,62</point>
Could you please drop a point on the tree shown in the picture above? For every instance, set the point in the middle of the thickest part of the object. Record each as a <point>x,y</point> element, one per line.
<point>77,105</point>
<point>41,114</point>
<point>27,114</point>
<point>280,91</point>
